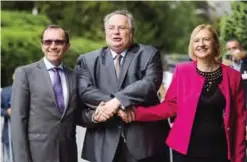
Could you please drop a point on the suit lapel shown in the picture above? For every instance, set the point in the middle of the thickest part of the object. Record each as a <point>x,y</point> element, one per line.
<point>48,84</point>
<point>110,69</point>
<point>124,68</point>
<point>243,67</point>
<point>68,78</point>
<point>126,63</point>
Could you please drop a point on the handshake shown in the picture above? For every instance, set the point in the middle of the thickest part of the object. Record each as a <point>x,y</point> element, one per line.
<point>106,110</point>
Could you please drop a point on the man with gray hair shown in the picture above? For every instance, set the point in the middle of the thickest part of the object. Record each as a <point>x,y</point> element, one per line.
<point>112,80</point>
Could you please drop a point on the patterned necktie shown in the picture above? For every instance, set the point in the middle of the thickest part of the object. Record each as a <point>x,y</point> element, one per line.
<point>118,64</point>
<point>58,89</point>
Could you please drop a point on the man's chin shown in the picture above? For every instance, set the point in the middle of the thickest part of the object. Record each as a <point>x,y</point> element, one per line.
<point>54,59</point>
<point>117,49</point>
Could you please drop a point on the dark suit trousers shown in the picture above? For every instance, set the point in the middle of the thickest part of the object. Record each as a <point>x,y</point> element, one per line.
<point>123,155</point>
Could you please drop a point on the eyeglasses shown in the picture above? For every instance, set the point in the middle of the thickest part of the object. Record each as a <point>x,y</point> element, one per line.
<point>112,28</point>
<point>57,42</point>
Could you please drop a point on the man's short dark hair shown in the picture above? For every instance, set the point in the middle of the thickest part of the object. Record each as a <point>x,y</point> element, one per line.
<point>235,40</point>
<point>66,34</point>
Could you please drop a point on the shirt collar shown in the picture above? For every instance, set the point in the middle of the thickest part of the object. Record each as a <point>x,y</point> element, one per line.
<point>49,65</point>
<point>238,63</point>
<point>114,54</point>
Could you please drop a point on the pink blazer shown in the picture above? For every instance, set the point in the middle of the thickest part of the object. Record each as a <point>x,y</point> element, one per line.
<point>182,99</point>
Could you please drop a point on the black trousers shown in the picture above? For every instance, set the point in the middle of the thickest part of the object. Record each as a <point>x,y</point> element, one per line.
<point>177,157</point>
<point>123,155</point>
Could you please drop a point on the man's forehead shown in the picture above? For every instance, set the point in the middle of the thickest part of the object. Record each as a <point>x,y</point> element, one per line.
<point>54,31</point>
<point>232,43</point>
<point>117,19</point>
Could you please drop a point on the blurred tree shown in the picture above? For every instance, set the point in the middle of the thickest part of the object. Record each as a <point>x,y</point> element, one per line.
<point>235,25</point>
<point>20,42</point>
<point>166,25</point>
<point>18,5</point>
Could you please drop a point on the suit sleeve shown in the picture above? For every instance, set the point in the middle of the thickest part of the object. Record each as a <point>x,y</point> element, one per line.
<point>167,108</point>
<point>89,96</point>
<point>138,92</point>
<point>20,102</point>
<point>239,124</point>
<point>4,107</point>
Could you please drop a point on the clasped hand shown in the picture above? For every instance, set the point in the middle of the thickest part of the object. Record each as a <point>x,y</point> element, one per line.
<point>106,110</point>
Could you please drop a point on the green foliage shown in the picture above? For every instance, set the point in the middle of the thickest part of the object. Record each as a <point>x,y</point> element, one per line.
<point>80,46</point>
<point>23,19</point>
<point>20,43</point>
<point>17,5</point>
<point>235,25</point>
<point>164,24</point>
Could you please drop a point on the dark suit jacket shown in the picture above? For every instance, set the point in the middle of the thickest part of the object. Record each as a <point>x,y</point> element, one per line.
<point>140,78</point>
<point>5,104</point>
<point>40,132</point>
<point>243,70</point>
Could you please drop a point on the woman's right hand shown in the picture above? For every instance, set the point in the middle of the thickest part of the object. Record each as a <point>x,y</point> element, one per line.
<point>128,115</point>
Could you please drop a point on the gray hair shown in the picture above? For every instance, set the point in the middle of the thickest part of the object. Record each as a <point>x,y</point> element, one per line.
<point>121,12</point>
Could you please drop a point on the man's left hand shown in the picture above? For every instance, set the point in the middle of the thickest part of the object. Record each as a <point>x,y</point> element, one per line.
<point>111,107</point>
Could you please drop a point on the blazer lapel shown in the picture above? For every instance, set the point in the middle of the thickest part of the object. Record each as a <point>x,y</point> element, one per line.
<point>197,80</point>
<point>225,89</point>
<point>110,69</point>
<point>126,63</point>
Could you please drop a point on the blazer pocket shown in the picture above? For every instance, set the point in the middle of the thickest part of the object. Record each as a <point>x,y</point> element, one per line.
<point>37,137</point>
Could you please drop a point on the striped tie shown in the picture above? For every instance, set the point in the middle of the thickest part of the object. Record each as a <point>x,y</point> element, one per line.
<point>118,64</point>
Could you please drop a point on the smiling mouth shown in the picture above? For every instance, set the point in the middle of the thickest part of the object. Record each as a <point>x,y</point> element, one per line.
<point>202,49</point>
<point>117,39</point>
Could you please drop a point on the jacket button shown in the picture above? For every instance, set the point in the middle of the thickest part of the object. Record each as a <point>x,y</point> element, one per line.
<point>228,128</point>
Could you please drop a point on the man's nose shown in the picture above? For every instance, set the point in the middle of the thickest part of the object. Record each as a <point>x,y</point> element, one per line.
<point>116,30</point>
<point>53,45</point>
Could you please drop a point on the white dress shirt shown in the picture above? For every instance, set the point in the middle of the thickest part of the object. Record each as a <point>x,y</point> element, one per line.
<point>114,56</point>
<point>237,65</point>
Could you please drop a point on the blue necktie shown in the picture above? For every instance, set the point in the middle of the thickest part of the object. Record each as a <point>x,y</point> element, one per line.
<point>58,89</point>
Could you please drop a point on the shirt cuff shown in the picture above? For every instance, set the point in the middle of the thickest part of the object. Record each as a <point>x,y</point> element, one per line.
<point>122,106</point>
<point>93,119</point>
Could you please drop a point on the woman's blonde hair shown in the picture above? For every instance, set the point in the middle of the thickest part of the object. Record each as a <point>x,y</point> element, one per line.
<point>216,43</point>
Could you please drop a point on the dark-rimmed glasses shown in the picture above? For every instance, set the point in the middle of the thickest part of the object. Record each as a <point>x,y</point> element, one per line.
<point>57,42</point>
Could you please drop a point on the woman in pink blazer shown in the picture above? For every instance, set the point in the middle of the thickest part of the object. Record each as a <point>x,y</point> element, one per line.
<point>207,99</point>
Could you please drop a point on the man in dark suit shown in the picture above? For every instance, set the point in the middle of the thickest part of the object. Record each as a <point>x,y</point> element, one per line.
<point>238,58</point>
<point>122,75</point>
<point>44,104</point>
<point>6,113</point>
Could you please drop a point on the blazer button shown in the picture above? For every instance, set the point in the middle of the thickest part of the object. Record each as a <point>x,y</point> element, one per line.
<point>228,128</point>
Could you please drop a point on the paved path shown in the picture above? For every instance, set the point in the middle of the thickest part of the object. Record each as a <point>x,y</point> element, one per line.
<point>80,133</point>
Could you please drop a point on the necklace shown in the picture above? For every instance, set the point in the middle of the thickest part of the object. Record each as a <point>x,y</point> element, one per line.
<point>210,77</point>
